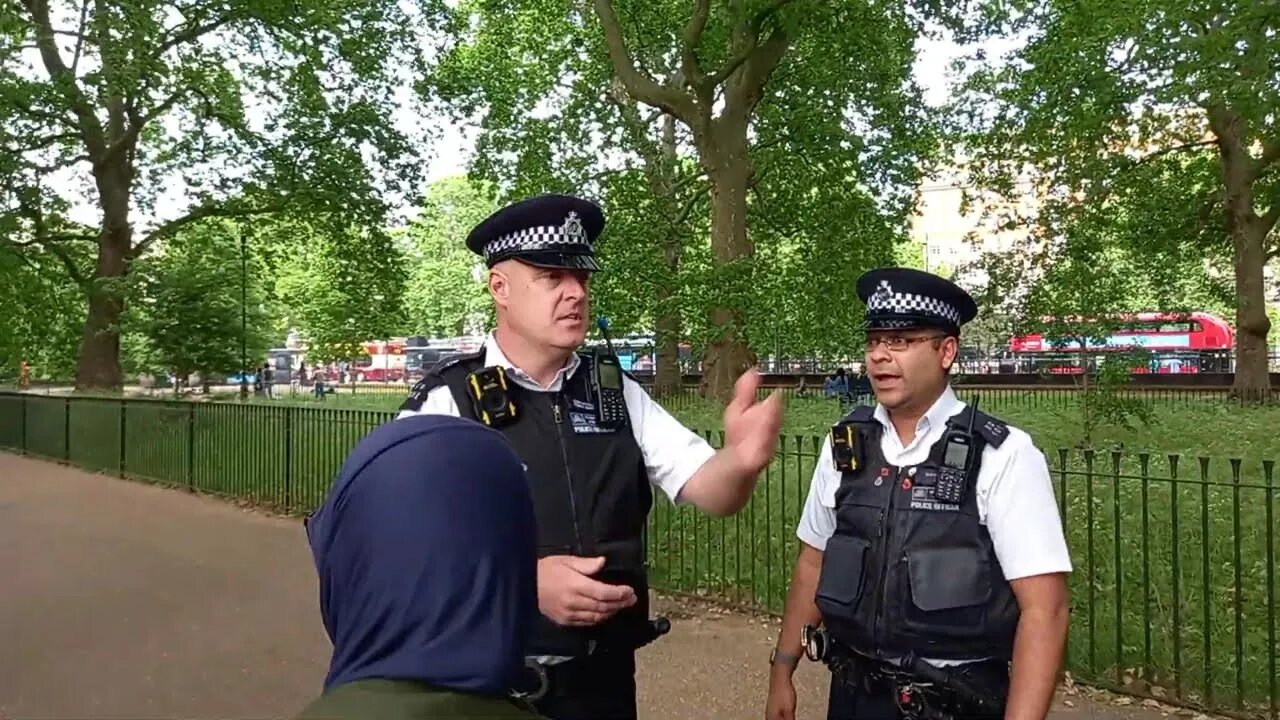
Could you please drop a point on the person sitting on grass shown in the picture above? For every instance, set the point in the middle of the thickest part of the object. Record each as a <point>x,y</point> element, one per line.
<point>427,559</point>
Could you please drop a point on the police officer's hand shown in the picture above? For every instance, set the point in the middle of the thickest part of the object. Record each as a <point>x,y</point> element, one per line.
<point>569,596</point>
<point>781,704</point>
<point>751,428</point>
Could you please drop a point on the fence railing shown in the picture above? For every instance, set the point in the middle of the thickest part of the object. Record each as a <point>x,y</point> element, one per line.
<point>1173,594</point>
<point>388,396</point>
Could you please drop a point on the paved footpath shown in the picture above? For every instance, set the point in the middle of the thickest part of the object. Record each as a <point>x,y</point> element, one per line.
<point>123,600</point>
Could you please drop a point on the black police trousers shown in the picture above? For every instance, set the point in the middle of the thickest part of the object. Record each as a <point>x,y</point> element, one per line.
<point>599,687</point>
<point>866,698</point>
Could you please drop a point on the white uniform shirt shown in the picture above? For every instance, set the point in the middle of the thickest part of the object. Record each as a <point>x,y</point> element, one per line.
<point>672,452</point>
<point>1014,493</point>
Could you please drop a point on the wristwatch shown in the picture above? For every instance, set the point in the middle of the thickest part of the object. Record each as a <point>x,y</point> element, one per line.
<point>779,657</point>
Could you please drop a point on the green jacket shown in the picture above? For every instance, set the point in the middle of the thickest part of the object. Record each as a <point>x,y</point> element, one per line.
<point>408,700</point>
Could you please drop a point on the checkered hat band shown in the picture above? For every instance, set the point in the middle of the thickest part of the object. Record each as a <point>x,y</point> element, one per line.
<point>912,304</point>
<point>546,237</point>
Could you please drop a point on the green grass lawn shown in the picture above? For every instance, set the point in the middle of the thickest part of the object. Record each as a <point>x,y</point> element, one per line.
<point>1174,566</point>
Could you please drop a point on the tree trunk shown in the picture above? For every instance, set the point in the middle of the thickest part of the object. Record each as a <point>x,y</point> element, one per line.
<point>668,377</point>
<point>98,365</point>
<point>1252,377</point>
<point>727,356</point>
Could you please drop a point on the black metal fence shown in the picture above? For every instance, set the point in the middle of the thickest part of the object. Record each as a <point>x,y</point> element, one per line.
<point>388,396</point>
<point>1174,589</point>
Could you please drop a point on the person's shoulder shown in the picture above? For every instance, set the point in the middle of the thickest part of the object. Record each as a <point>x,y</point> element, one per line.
<point>437,379</point>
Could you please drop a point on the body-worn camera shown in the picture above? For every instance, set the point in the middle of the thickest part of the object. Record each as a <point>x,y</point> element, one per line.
<point>491,396</point>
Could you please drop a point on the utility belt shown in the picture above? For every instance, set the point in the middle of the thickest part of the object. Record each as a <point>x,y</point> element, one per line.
<point>920,689</point>
<point>539,676</point>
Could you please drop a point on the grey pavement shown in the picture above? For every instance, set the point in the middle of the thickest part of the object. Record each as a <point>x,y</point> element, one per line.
<point>124,600</point>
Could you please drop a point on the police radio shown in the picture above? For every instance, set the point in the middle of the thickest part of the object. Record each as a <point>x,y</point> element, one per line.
<point>957,459</point>
<point>606,379</point>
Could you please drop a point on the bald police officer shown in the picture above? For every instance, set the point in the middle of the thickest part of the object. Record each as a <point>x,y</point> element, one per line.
<point>932,552</point>
<point>594,443</point>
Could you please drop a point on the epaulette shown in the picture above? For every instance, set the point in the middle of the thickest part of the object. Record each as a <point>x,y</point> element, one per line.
<point>860,415</point>
<point>434,378</point>
<point>993,430</point>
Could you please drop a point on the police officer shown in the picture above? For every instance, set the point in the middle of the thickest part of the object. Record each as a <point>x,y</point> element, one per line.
<point>594,443</point>
<point>932,553</point>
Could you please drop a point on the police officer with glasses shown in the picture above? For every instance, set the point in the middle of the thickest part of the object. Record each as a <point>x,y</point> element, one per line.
<point>931,577</point>
<point>595,444</point>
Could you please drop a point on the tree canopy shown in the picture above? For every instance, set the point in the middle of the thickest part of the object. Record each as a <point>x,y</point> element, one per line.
<point>752,157</point>
<point>228,109</point>
<point>1165,112</point>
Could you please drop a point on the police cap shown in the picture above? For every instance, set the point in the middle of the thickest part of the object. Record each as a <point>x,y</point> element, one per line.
<point>554,231</point>
<point>901,298</point>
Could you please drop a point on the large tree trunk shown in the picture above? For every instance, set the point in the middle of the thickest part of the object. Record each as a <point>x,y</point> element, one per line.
<point>727,356</point>
<point>668,377</point>
<point>98,365</point>
<point>1253,376</point>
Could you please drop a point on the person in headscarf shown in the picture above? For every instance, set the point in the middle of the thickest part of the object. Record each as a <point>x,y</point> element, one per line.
<point>427,558</point>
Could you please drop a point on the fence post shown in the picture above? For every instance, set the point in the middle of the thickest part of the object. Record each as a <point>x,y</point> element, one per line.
<point>24,425</point>
<point>66,431</point>
<point>191,446</point>
<point>124,423</point>
<point>288,458</point>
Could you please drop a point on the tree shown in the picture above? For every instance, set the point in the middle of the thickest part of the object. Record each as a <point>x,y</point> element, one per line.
<point>1104,97</point>
<point>1082,288</point>
<point>189,304</point>
<point>444,296</point>
<point>688,120</point>
<point>41,310</point>
<point>333,299</point>
<point>226,109</point>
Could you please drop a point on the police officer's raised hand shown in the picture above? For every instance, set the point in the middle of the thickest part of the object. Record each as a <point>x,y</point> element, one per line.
<point>569,596</point>
<point>751,428</point>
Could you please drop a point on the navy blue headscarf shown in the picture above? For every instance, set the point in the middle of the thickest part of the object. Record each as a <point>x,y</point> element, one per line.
<point>427,557</point>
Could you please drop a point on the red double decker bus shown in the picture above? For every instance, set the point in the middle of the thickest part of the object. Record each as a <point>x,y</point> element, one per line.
<point>1178,342</point>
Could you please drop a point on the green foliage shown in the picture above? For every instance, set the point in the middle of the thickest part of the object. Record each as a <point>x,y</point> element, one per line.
<point>444,297</point>
<point>188,304</point>
<point>336,290</point>
<point>44,313</point>
<point>165,112</point>
<point>837,135</point>
<point>1159,119</point>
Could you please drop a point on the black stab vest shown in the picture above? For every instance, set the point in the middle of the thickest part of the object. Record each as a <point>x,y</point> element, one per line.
<point>907,573</point>
<point>591,491</point>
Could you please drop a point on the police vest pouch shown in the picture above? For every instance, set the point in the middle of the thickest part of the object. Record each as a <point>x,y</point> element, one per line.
<point>491,396</point>
<point>840,584</point>
<point>949,589</point>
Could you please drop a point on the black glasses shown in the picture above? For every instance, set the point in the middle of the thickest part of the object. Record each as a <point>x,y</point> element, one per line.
<point>898,343</point>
